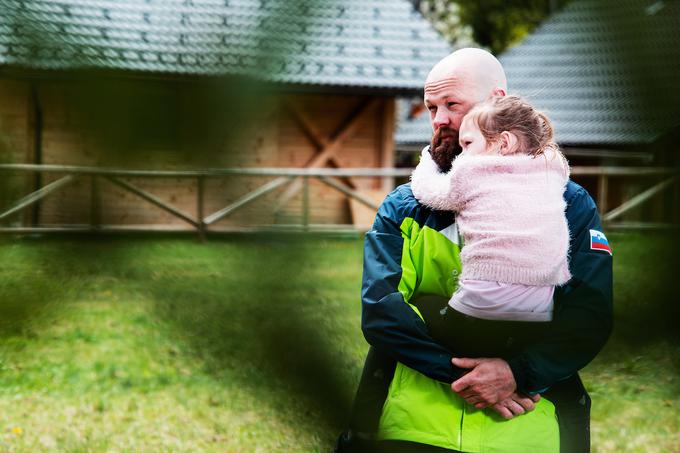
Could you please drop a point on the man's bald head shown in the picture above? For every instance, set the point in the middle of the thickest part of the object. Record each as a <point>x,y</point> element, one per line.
<point>476,67</point>
<point>453,87</point>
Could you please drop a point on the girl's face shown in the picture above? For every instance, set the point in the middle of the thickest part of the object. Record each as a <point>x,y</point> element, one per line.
<point>472,141</point>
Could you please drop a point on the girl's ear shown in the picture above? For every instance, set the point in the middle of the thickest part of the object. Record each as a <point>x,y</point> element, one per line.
<point>509,143</point>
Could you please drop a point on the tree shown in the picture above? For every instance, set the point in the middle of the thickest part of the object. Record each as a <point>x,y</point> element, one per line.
<point>493,24</point>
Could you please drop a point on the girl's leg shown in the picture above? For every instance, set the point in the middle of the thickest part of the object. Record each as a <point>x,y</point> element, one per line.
<point>466,336</point>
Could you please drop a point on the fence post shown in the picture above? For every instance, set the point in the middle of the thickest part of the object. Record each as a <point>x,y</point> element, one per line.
<point>95,203</point>
<point>200,193</point>
<point>305,202</point>
<point>602,193</point>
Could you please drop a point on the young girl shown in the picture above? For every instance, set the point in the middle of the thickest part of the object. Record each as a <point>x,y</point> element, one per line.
<point>506,188</point>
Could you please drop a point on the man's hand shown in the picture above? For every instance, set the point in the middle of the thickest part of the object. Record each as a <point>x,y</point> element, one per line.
<point>489,381</point>
<point>516,405</point>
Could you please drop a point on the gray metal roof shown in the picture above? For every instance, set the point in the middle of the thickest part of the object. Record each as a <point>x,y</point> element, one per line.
<point>606,73</point>
<point>360,43</point>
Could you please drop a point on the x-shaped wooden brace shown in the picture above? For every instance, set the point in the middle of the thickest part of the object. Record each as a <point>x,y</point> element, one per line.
<point>326,147</point>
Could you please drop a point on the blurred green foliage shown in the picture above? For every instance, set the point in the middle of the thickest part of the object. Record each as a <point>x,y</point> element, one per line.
<point>493,24</point>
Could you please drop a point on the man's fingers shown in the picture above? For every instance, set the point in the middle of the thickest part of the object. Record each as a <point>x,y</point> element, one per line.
<point>524,401</point>
<point>465,362</point>
<point>502,411</point>
<point>463,382</point>
<point>514,407</point>
<point>459,385</point>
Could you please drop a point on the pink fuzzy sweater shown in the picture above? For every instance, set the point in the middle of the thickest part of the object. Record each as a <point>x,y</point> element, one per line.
<point>510,212</point>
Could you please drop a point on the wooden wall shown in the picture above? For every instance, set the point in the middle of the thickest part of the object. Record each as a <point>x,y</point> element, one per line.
<point>159,125</point>
<point>15,139</point>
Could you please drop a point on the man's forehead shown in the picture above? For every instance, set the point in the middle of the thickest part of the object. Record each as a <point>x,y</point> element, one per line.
<point>454,85</point>
<point>441,84</point>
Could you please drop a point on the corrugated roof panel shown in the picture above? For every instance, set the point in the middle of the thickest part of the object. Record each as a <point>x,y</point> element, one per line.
<point>368,43</point>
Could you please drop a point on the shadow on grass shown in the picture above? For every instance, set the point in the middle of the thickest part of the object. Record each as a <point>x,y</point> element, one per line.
<point>646,288</point>
<point>39,272</point>
<point>257,320</point>
<point>27,292</point>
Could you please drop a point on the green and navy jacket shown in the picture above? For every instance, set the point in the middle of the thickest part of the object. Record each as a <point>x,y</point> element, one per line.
<point>414,250</point>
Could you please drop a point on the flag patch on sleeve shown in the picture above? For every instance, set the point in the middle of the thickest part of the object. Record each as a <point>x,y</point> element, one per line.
<point>598,241</point>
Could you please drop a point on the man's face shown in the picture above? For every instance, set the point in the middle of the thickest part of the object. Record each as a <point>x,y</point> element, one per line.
<point>448,100</point>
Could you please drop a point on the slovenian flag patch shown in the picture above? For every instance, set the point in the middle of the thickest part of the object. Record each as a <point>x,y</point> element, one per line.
<point>598,241</point>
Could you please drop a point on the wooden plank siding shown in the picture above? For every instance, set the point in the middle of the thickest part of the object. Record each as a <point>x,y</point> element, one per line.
<point>276,140</point>
<point>16,141</point>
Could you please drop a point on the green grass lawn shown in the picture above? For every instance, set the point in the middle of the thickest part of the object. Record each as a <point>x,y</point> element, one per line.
<point>254,344</point>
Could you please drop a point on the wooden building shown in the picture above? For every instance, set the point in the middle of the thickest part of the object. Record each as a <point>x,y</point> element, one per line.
<point>188,84</point>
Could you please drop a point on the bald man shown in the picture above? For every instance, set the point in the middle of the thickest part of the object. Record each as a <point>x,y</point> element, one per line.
<point>414,395</point>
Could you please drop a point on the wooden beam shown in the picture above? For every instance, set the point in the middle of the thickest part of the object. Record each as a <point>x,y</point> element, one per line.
<point>318,140</point>
<point>222,172</point>
<point>602,193</point>
<point>95,203</point>
<point>200,206</point>
<point>153,200</point>
<point>305,202</point>
<point>387,141</point>
<point>306,124</point>
<point>638,199</point>
<point>608,154</point>
<point>623,171</point>
<point>349,192</point>
<point>38,195</point>
<point>643,226</point>
<point>329,229</point>
<point>344,132</point>
<point>251,196</point>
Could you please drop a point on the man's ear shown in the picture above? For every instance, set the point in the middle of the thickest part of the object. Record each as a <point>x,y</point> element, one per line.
<point>498,91</point>
<point>508,142</point>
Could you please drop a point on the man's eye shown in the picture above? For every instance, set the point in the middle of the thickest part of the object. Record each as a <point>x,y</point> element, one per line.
<point>432,108</point>
<point>451,104</point>
<point>466,143</point>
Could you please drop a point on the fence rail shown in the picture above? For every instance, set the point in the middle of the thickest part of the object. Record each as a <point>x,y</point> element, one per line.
<point>204,223</point>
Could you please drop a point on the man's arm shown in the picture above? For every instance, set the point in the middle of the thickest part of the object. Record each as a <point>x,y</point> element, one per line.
<point>582,319</point>
<point>389,323</point>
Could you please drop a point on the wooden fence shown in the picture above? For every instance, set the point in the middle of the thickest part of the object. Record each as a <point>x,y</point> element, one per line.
<point>203,223</point>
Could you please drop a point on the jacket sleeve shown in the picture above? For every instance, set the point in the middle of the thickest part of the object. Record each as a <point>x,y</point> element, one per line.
<point>389,323</point>
<point>582,319</point>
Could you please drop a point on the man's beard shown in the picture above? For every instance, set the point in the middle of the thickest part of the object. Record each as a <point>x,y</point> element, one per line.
<point>444,147</point>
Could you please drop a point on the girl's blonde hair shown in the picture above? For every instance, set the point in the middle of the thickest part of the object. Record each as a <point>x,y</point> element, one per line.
<point>513,114</point>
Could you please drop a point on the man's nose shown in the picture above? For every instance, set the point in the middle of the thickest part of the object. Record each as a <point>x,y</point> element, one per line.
<point>441,118</point>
